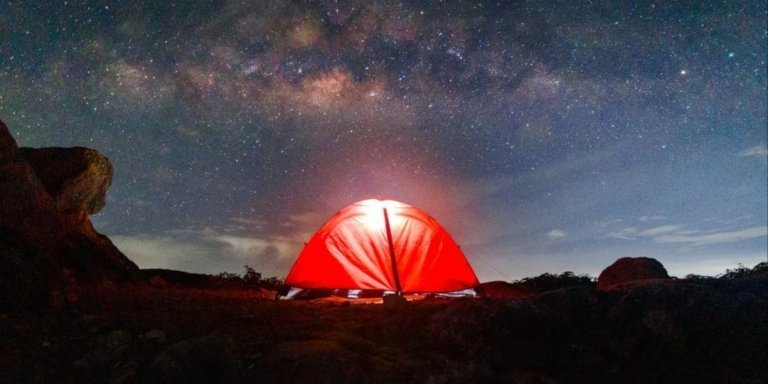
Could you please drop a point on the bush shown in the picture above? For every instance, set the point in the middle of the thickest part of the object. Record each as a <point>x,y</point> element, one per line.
<point>694,277</point>
<point>251,277</point>
<point>742,272</point>
<point>549,282</point>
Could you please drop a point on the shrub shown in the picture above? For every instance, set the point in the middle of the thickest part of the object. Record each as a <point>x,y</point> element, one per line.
<point>549,282</point>
<point>694,277</point>
<point>251,277</point>
<point>741,272</point>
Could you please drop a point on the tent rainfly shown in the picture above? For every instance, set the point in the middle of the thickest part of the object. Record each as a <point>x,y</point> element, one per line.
<point>382,245</point>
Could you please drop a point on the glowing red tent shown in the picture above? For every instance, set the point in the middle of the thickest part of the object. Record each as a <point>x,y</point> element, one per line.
<point>382,245</point>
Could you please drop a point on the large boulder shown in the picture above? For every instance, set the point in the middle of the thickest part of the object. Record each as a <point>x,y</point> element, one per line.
<point>47,241</point>
<point>76,178</point>
<point>629,270</point>
<point>29,229</point>
<point>27,211</point>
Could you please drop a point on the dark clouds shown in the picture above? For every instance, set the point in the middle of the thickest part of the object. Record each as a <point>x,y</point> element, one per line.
<point>564,114</point>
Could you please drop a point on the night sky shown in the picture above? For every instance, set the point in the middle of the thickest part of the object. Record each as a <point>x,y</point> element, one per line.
<point>545,136</point>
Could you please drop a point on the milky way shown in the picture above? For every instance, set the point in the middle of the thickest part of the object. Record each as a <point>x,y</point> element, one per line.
<point>545,136</point>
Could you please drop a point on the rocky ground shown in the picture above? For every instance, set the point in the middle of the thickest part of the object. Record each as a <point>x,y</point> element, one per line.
<point>682,331</point>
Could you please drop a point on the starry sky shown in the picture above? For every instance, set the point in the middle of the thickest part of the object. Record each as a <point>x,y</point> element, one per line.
<point>544,136</point>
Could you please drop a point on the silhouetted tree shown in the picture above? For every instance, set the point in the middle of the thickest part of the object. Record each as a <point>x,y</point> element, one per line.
<point>742,272</point>
<point>251,277</point>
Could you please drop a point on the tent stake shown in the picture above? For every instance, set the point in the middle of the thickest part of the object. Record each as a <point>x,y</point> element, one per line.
<point>392,254</point>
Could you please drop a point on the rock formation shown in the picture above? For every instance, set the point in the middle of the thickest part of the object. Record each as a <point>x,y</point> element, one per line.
<point>26,209</point>
<point>47,241</point>
<point>76,178</point>
<point>630,269</point>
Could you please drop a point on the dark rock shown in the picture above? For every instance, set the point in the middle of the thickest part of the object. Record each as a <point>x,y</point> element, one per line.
<point>110,360</point>
<point>27,211</point>
<point>206,359</point>
<point>76,178</point>
<point>91,255</point>
<point>394,301</point>
<point>48,244</point>
<point>107,350</point>
<point>500,290</point>
<point>628,270</point>
<point>29,229</point>
<point>23,273</point>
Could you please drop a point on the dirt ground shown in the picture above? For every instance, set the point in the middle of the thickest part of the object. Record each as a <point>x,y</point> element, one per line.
<point>679,331</point>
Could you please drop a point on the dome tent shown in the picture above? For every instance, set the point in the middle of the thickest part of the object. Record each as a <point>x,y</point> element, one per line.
<point>382,245</point>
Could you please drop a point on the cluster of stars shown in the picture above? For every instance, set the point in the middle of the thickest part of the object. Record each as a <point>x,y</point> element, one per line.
<point>210,109</point>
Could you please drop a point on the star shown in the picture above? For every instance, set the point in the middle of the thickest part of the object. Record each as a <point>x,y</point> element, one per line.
<point>506,121</point>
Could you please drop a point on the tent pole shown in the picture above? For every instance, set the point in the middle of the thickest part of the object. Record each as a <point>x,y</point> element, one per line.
<point>392,254</point>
